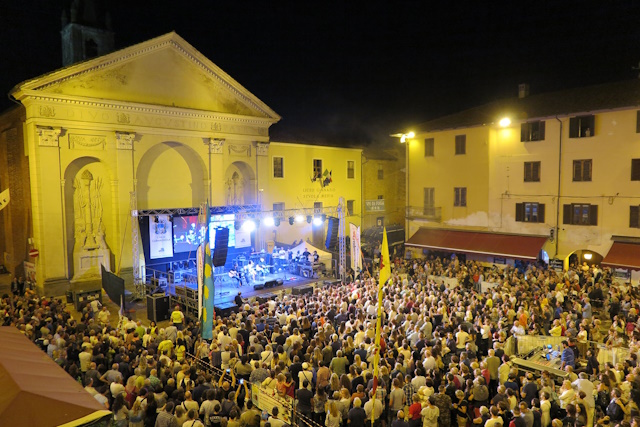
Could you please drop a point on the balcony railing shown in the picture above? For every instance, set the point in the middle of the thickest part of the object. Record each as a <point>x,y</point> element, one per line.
<point>431,213</point>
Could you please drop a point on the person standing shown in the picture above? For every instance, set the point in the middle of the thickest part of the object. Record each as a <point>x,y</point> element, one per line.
<point>177,318</point>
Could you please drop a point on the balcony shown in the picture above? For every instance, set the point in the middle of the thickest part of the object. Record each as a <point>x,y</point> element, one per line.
<point>430,213</point>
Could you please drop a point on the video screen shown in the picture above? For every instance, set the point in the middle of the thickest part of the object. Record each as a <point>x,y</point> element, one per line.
<point>188,234</point>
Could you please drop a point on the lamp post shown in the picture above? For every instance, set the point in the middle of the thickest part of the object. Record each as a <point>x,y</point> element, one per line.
<point>404,139</point>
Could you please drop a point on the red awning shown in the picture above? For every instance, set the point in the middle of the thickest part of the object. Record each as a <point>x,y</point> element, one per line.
<point>502,245</point>
<point>623,255</point>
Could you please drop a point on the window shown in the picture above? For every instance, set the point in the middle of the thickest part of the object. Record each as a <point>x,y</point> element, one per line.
<point>533,131</point>
<point>582,126</point>
<point>317,207</point>
<point>460,196</point>
<point>317,168</point>
<point>429,200</point>
<point>582,170</point>
<point>350,204</point>
<point>580,214</point>
<point>351,169</point>
<point>461,144</point>
<point>634,216</point>
<point>428,147</point>
<point>278,167</point>
<point>635,169</point>
<point>380,221</point>
<point>531,171</point>
<point>278,207</point>
<point>380,171</point>
<point>380,197</point>
<point>530,212</point>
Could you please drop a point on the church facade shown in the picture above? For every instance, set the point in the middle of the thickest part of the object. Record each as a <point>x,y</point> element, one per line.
<point>153,126</point>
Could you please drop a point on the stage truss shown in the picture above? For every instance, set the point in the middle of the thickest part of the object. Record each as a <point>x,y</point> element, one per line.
<point>242,213</point>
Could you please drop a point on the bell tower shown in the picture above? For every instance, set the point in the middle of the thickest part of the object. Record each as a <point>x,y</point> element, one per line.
<point>86,31</point>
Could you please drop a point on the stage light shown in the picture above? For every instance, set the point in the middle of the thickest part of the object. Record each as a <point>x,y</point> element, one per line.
<point>588,256</point>
<point>309,219</point>
<point>237,225</point>
<point>248,225</point>
<point>324,217</point>
<point>276,221</point>
<point>268,221</point>
<point>291,219</point>
<point>317,221</point>
<point>299,218</point>
<point>504,122</point>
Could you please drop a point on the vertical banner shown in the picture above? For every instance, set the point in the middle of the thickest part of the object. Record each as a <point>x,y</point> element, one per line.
<point>160,237</point>
<point>354,234</point>
<point>385,275</point>
<point>207,290</point>
<point>29,271</point>
<point>200,266</point>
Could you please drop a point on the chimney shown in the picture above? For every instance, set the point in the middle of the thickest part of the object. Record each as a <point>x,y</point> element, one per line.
<point>523,90</point>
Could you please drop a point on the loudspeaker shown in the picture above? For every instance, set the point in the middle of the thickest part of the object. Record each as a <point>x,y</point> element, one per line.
<point>157,308</point>
<point>258,286</point>
<point>279,282</point>
<point>332,232</point>
<point>302,290</point>
<point>221,245</point>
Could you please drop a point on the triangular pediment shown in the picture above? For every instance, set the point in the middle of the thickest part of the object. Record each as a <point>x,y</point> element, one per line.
<point>165,71</point>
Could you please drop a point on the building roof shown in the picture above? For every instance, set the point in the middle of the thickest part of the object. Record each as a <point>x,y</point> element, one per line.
<point>609,96</point>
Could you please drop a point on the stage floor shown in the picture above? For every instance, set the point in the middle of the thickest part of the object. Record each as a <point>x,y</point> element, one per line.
<point>227,288</point>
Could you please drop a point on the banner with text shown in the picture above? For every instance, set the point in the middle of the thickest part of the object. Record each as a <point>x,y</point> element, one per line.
<point>160,237</point>
<point>374,205</point>
<point>354,234</point>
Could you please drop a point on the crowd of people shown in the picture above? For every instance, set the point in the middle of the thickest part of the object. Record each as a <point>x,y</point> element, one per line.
<point>442,353</point>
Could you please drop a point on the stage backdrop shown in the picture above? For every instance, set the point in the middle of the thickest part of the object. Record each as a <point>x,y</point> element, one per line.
<point>160,237</point>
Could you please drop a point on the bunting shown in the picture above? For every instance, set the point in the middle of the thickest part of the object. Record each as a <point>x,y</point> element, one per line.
<point>207,289</point>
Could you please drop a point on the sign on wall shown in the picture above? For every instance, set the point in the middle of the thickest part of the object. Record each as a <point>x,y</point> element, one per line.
<point>354,234</point>
<point>374,205</point>
<point>160,237</point>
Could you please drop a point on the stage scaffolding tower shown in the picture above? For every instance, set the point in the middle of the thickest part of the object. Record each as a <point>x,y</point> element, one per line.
<point>138,284</point>
<point>342,251</point>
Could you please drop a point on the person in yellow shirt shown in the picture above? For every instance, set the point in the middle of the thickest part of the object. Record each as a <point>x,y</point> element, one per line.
<point>165,345</point>
<point>556,330</point>
<point>177,318</point>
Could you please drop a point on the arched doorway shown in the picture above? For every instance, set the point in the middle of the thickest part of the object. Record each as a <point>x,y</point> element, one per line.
<point>582,256</point>
<point>170,175</point>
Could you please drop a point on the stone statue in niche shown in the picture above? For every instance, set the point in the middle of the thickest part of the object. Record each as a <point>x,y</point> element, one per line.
<point>90,249</point>
<point>235,189</point>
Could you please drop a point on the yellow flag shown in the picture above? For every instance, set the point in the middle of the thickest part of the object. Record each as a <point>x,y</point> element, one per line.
<point>385,274</point>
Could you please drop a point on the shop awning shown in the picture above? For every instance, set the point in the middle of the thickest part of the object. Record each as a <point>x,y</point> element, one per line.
<point>623,255</point>
<point>496,244</point>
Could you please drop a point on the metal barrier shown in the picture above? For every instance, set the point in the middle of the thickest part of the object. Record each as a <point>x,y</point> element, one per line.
<point>527,343</point>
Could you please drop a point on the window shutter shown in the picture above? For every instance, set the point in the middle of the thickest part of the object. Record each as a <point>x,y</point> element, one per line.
<point>566,214</point>
<point>593,215</point>
<point>634,216</point>
<point>635,169</point>
<point>541,130</point>
<point>540,212</point>
<point>519,211</point>
<point>535,171</point>
<point>592,124</point>
<point>577,170</point>
<point>524,131</point>
<point>574,126</point>
<point>586,173</point>
<point>638,121</point>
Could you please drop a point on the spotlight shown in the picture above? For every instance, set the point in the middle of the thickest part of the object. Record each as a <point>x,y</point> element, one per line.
<point>248,225</point>
<point>324,217</point>
<point>276,221</point>
<point>299,218</point>
<point>317,221</point>
<point>587,256</point>
<point>237,225</point>
<point>268,221</point>
<point>291,219</point>
<point>309,218</point>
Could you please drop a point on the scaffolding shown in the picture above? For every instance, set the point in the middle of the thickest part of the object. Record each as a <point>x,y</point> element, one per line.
<point>138,283</point>
<point>342,251</point>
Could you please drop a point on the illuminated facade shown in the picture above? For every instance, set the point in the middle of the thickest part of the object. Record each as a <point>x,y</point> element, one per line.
<point>566,167</point>
<point>159,121</point>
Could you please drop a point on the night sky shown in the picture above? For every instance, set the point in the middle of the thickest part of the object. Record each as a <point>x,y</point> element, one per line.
<point>351,72</point>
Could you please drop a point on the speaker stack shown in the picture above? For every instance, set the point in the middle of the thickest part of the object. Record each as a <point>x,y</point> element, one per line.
<point>332,233</point>
<point>221,247</point>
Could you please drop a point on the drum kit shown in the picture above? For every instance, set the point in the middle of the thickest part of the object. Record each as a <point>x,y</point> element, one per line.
<point>250,272</point>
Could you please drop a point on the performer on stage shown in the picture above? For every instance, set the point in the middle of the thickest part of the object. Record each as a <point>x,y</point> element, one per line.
<point>305,254</point>
<point>236,273</point>
<point>316,257</point>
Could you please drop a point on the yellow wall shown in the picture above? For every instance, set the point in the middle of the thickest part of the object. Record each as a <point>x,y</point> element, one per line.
<point>445,171</point>
<point>391,188</point>
<point>298,192</point>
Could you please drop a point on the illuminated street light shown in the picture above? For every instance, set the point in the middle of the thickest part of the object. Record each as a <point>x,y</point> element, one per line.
<point>504,122</point>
